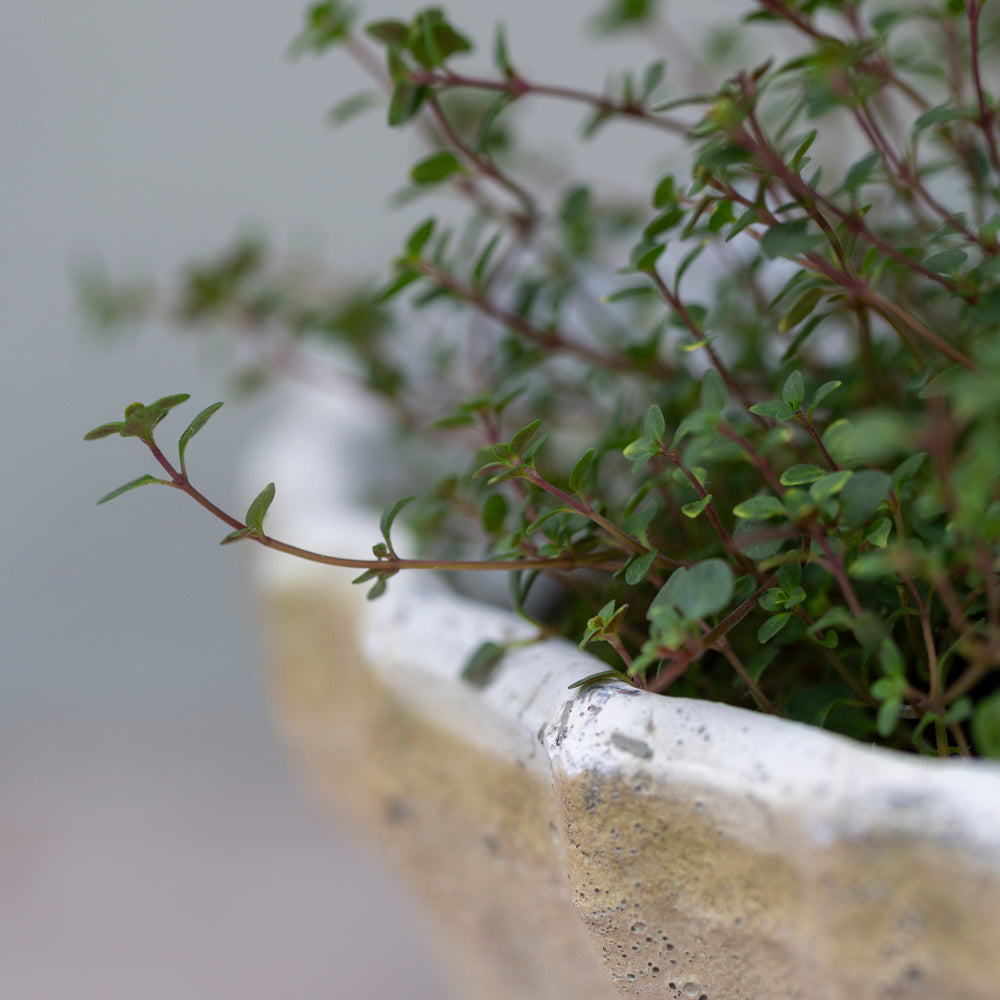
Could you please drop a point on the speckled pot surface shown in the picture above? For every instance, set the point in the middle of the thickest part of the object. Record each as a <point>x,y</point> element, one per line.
<point>583,846</point>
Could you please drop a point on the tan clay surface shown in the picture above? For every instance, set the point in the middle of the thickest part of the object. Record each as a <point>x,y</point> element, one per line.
<point>682,906</point>
<point>680,890</point>
<point>475,835</point>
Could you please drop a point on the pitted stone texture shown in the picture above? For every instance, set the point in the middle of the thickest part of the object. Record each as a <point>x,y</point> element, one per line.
<point>692,885</point>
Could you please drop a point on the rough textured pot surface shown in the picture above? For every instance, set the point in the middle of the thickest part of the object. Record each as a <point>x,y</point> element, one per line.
<point>589,845</point>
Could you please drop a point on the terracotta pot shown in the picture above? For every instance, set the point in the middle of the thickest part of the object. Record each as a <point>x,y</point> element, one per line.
<point>584,845</point>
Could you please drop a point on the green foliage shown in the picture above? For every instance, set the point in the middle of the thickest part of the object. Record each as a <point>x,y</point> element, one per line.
<point>748,419</point>
<point>389,515</point>
<point>326,24</point>
<point>140,420</point>
<point>192,428</point>
<point>618,15</point>
<point>132,485</point>
<point>481,665</point>
<point>435,168</point>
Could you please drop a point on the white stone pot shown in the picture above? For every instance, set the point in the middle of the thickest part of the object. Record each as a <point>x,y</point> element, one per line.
<point>584,845</point>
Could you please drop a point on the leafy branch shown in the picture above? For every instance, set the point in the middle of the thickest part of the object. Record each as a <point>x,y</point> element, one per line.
<point>140,421</point>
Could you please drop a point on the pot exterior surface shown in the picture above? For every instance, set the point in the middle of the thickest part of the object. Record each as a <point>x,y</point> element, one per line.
<point>696,883</point>
<point>691,850</point>
<point>476,834</point>
<point>582,845</point>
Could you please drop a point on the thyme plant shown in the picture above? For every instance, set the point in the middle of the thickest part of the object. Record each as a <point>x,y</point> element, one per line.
<point>749,423</point>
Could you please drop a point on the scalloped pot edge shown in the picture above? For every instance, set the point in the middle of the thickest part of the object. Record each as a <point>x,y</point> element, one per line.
<point>608,842</point>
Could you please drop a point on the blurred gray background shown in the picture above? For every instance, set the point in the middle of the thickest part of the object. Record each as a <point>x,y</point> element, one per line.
<point>153,842</point>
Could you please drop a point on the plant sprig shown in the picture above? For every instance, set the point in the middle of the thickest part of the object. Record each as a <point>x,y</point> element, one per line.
<point>748,424</point>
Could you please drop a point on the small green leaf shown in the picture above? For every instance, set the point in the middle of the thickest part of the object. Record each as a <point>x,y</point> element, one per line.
<point>388,516</point>
<point>860,172</point>
<point>697,422</point>
<point>773,408</point>
<point>946,261</point>
<point>686,261</point>
<point>891,659</point>
<point>501,474</point>
<point>141,420</point>
<point>579,471</point>
<point>773,626</point>
<point>862,495</point>
<point>405,102</point>
<point>432,40</point>
<point>598,678</point>
<point>789,577</point>
<point>699,590</point>
<point>258,508</point>
<point>192,428</point>
<point>494,513</point>
<point>959,711</point>
<point>829,485</point>
<point>873,436</point>
<point>938,116</point>
<point>805,304</point>
<point>640,451</point>
<point>879,534</point>
<point>388,32</point>
<point>134,484</point>
<point>105,430</point>
<point>405,278</point>
<point>500,54</point>
<point>822,392</point>
<point>237,535</point>
<point>836,617</point>
<point>481,666</point>
<point>435,168</point>
<point>523,436</point>
<point>987,311</point>
<point>652,78</point>
<point>343,111</point>
<point>638,567</point>
<point>793,392</point>
<point>326,24</point>
<point>635,292</point>
<point>802,145</point>
<point>871,565</point>
<point>772,599</point>
<point>663,222</point>
<point>598,625</point>
<point>799,475</point>
<point>695,345</point>
<point>418,239</point>
<point>888,716</point>
<point>482,262</point>
<point>749,217</point>
<point>665,193</point>
<point>906,470</point>
<point>986,726</point>
<point>713,392</point>
<point>789,239</point>
<point>654,426</point>
<point>722,216</point>
<point>161,406</point>
<point>695,507</point>
<point>645,256</point>
<point>760,508</point>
